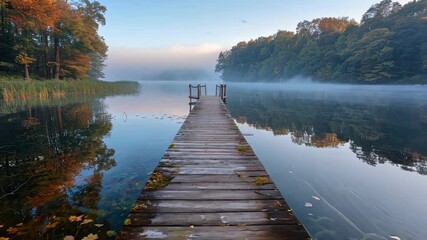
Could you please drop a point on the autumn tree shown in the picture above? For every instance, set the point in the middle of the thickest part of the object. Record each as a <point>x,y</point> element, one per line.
<point>63,32</point>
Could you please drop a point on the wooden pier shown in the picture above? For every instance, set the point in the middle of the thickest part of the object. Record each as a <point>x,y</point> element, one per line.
<point>210,185</point>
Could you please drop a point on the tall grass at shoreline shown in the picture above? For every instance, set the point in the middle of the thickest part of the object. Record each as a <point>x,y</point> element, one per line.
<point>12,89</point>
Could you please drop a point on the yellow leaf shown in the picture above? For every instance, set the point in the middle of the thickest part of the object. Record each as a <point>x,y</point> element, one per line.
<point>99,225</point>
<point>86,221</point>
<point>127,221</point>
<point>68,237</point>
<point>4,238</point>
<point>91,237</point>
<point>19,224</point>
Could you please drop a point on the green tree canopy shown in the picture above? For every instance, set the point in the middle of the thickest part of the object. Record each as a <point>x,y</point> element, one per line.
<point>388,45</point>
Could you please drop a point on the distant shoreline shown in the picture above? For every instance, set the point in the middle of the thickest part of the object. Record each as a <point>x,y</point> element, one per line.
<point>418,80</point>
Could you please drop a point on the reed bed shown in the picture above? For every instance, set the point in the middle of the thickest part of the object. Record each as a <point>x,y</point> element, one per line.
<point>13,90</point>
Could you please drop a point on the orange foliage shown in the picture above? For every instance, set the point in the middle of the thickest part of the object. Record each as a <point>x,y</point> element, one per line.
<point>330,24</point>
<point>77,65</point>
<point>36,14</point>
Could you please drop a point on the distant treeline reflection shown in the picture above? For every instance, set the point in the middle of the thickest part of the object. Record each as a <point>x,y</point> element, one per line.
<point>378,131</point>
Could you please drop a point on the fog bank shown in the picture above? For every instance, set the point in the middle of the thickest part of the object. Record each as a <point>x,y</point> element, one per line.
<point>176,63</point>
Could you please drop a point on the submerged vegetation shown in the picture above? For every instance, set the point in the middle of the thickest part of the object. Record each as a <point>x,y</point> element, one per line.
<point>10,90</point>
<point>388,45</point>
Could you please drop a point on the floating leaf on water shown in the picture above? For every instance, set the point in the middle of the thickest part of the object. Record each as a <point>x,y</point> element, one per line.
<point>68,237</point>
<point>52,225</point>
<point>316,198</point>
<point>111,233</point>
<point>308,205</point>
<point>86,221</point>
<point>75,218</point>
<point>127,221</point>
<point>19,225</point>
<point>99,225</point>
<point>12,230</point>
<point>91,237</point>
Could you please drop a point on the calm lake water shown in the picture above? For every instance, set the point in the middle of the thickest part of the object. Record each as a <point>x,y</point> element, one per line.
<point>350,160</point>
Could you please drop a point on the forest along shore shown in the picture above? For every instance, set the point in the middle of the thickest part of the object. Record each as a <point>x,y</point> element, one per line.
<point>387,46</point>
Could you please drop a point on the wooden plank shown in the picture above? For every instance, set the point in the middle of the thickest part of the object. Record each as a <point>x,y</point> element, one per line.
<point>205,188</point>
<point>207,162</point>
<point>220,178</point>
<point>210,195</point>
<point>209,206</point>
<point>272,232</point>
<point>210,157</point>
<point>212,219</point>
<point>216,186</point>
<point>214,170</point>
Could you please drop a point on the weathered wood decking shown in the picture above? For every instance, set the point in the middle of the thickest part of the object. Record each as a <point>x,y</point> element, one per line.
<point>213,191</point>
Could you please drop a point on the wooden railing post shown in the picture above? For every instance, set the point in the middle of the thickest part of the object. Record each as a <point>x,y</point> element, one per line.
<point>221,91</point>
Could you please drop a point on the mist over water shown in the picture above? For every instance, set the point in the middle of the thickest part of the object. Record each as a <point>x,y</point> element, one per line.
<point>360,149</point>
<point>187,63</point>
<point>348,92</point>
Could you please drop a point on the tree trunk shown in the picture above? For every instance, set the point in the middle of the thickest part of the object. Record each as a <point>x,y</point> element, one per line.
<point>45,60</point>
<point>57,59</point>
<point>27,72</point>
<point>2,18</point>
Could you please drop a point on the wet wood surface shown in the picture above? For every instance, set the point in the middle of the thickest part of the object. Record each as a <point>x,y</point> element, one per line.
<point>210,185</point>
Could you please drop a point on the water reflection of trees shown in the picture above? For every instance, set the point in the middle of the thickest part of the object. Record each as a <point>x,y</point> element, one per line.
<point>379,131</point>
<point>42,151</point>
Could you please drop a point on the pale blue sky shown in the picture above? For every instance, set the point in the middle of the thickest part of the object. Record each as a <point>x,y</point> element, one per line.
<point>171,30</point>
